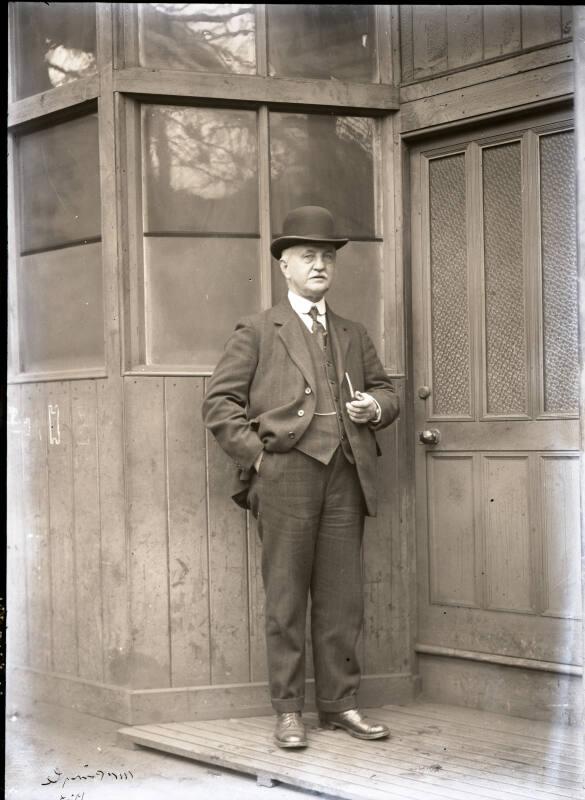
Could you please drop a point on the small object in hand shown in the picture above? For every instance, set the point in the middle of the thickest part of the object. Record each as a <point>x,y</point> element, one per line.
<point>351,391</point>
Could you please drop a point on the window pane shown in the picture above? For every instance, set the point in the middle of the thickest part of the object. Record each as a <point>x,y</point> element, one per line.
<point>203,37</point>
<point>196,290</point>
<point>318,159</point>
<point>322,41</point>
<point>357,290</point>
<point>201,170</point>
<point>55,44</point>
<point>59,184</point>
<point>61,312</point>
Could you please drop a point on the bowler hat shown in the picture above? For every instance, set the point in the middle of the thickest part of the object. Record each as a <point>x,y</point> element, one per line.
<point>307,224</point>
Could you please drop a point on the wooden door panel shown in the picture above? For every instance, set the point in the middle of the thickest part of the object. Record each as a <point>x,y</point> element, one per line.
<point>495,348</point>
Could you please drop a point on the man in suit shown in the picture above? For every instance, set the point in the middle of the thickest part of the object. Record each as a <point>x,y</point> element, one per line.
<point>295,400</point>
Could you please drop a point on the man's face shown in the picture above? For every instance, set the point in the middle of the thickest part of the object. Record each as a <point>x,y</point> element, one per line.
<point>309,269</point>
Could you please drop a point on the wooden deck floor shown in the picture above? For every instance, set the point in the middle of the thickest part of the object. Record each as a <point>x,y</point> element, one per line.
<point>435,753</point>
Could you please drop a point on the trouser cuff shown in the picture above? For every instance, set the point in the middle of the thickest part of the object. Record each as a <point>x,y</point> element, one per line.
<point>343,704</point>
<point>291,704</point>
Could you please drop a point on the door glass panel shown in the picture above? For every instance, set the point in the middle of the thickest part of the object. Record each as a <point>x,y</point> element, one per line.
<point>201,170</point>
<point>559,273</point>
<point>504,280</point>
<point>59,184</point>
<point>203,37</point>
<point>318,159</point>
<point>451,367</point>
<point>61,312</point>
<point>196,290</point>
<point>55,44</point>
<point>322,41</point>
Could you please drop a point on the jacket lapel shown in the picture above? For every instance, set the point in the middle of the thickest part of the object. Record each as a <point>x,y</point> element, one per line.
<point>291,334</point>
<point>340,343</point>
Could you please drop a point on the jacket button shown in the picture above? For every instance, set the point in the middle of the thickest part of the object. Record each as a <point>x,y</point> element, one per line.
<point>308,390</point>
<point>301,413</point>
<point>291,435</point>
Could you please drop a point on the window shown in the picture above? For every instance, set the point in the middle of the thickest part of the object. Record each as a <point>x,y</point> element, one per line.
<point>60,307</point>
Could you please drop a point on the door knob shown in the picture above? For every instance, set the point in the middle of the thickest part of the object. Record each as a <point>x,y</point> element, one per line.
<point>424,392</point>
<point>431,436</point>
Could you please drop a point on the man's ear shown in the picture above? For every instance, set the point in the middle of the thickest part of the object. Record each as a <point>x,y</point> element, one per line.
<point>283,265</point>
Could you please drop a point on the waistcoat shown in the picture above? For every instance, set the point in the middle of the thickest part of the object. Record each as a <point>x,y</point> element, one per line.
<point>326,431</point>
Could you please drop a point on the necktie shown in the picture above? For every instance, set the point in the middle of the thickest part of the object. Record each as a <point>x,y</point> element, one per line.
<point>317,328</point>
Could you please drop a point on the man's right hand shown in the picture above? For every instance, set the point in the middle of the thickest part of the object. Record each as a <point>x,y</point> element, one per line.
<point>258,461</point>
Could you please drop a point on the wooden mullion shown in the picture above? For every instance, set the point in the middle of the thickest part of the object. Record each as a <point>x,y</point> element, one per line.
<point>83,90</point>
<point>257,89</point>
<point>384,55</point>
<point>532,272</point>
<point>395,44</point>
<point>108,190</point>
<point>264,207</point>
<point>12,50</point>
<point>261,40</point>
<point>14,213</point>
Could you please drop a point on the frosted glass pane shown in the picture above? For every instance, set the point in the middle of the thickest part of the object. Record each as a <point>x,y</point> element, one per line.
<point>200,170</point>
<point>202,37</point>
<point>451,356</point>
<point>196,290</point>
<point>504,280</point>
<point>559,272</point>
<point>322,41</point>
<point>318,159</point>
<point>55,44</point>
<point>61,309</point>
<point>58,170</point>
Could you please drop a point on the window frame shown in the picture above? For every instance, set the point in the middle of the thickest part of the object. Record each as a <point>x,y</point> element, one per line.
<point>117,86</point>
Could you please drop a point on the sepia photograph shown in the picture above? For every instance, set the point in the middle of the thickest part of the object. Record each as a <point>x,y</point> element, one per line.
<point>295,402</point>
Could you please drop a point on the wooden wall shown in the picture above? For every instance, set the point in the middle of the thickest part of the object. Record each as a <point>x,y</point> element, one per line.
<point>440,38</point>
<point>130,564</point>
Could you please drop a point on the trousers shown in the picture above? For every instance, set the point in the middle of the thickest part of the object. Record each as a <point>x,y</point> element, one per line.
<point>311,521</point>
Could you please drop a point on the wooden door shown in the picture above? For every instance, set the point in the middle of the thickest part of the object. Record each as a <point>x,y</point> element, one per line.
<point>496,375</point>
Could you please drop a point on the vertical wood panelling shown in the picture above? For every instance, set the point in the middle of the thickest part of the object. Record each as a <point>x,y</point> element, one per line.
<point>147,531</point>
<point>566,21</point>
<point>464,35</point>
<point>406,44</point>
<point>559,482</point>
<point>507,533</point>
<point>16,616</point>
<point>429,30</point>
<point>540,24</point>
<point>87,533</point>
<point>187,512</point>
<point>452,533</point>
<point>228,573</point>
<point>377,554</point>
<point>61,521</point>
<point>36,525</point>
<point>114,544</point>
<point>258,663</point>
<point>502,30</point>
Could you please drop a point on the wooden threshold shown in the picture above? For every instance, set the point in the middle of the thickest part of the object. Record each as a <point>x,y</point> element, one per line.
<point>435,752</point>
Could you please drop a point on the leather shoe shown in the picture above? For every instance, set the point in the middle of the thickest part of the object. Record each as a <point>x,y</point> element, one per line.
<point>290,730</point>
<point>353,722</point>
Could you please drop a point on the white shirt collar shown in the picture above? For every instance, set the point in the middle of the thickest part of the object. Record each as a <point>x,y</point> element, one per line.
<point>302,305</point>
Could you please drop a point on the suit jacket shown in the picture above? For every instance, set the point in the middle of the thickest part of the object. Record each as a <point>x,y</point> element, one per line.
<point>258,397</point>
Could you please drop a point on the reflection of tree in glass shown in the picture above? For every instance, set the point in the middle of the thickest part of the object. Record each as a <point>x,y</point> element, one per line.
<point>56,44</point>
<point>207,155</point>
<point>323,160</point>
<point>212,37</point>
<point>194,155</point>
